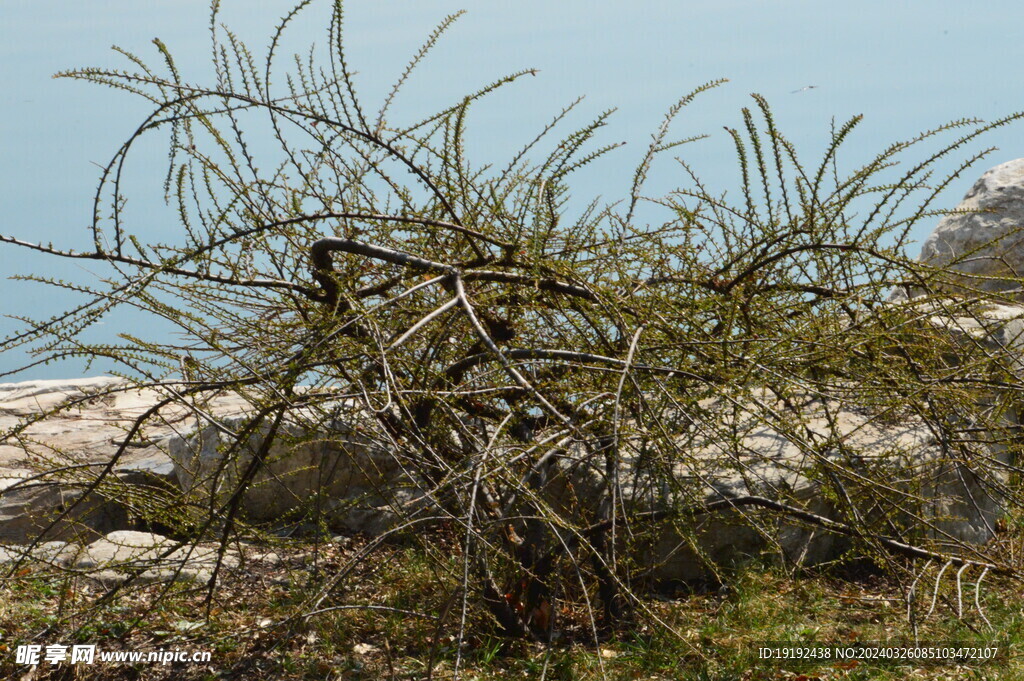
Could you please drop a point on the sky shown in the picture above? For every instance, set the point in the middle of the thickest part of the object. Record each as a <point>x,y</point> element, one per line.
<point>906,66</point>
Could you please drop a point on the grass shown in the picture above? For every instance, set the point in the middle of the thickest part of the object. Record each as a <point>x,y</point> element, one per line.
<point>704,636</point>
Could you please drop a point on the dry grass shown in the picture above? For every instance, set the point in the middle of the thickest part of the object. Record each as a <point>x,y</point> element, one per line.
<point>253,630</point>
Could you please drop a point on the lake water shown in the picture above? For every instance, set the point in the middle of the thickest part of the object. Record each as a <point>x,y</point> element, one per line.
<point>906,66</point>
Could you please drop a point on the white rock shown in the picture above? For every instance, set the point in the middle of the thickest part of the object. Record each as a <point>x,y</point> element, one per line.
<point>997,328</point>
<point>58,553</point>
<point>988,241</point>
<point>29,506</point>
<point>366,488</point>
<point>122,547</point>
<point>152,467</point>
<point>36,396</point>
<point>782,464</point>
<point>112,559</point>
<point>352,472</point>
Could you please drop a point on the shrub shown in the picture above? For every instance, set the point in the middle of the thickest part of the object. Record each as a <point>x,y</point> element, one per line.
<point>559,385</point>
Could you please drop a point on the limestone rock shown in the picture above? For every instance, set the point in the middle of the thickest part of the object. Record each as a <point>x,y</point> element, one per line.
<point>31,397</point>
<point>57,553</point>
<point>152,467</point>
<point>796,464</point>
<point>113,558</point>
<point>357,478</point>
<point>87,426</point>
<point>121,547</point>
<point>366,487</point>
<point>31,507</point>
<point>92,423</point>
<point>996,328</point>
<point>987,241</point>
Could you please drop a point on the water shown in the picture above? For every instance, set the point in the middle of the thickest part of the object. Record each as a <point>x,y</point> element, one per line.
<point>905,68</point>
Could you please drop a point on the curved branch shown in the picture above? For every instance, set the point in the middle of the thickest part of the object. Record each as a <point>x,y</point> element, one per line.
<point>570,355</point>
<point>192,93</point>
<point>323,265</point>
<point>164,267</point>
